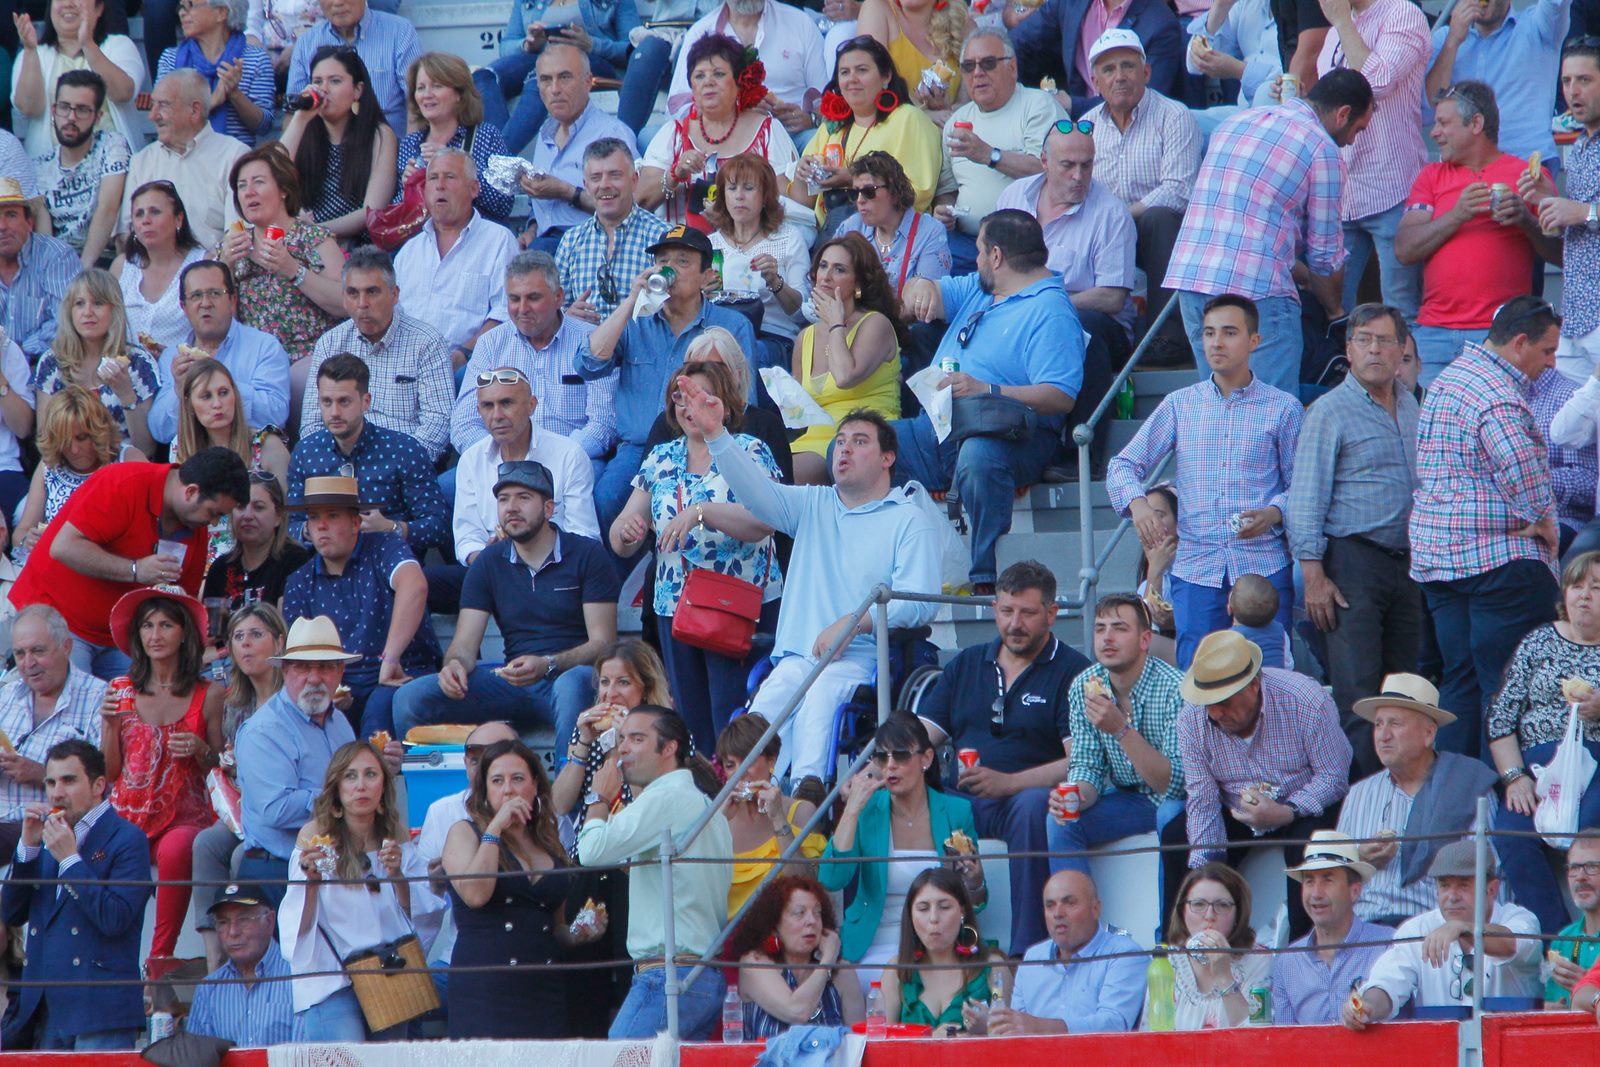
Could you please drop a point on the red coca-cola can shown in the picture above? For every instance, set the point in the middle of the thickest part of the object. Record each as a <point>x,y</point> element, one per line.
<point>968,757</point>
<point>1067,793</point>
<point>962,125</point>
<point>274,233</point>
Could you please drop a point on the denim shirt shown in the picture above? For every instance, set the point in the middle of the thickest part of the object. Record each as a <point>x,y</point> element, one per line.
<point>609,22</point>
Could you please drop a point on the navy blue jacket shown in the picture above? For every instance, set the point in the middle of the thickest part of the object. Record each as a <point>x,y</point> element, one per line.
<point>1047,44</point>
<point>89,930</point>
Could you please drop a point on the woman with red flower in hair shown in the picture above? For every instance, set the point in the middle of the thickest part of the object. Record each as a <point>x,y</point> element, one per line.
<point>727,83</point>
<point>865,108</point>
<point>792,922</point>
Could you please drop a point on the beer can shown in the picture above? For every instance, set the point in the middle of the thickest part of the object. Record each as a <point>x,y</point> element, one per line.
<point>1071,799</point>
<point>1497,195</point>
<point>968,758</point>
<point>161,1025</point>
<point>1289,88</point>
<point>950,364</point>
<point>1260,1006</point>
<point>273,233</point>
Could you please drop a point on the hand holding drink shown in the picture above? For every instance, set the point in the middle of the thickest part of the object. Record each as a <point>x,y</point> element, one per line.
<point>1066,802</point>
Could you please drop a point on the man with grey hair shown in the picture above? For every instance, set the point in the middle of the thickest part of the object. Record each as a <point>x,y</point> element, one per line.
<point>411,382</point>
<point>789,46</point>
<point>452,273</point>
<point>996,137</point>
<point>1476,249</point>
<point>188,153</point>
<point>540,340</point>
<point>50,701</point>
<point>244,90</point>
<point>599,257</point>
<point>386,42</point>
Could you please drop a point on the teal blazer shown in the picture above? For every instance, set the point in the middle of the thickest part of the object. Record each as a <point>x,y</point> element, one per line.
<point>946,812</point>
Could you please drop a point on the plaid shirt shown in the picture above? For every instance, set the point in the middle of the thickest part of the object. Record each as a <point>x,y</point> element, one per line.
<point>1099,760</point>
<point>1268,190</point>
<point>1297,748</point>
<point>1234,453</point>
<point>582,258</point>
<point>1155,160</point>
<point>583,411</point>
<point>1573,471</point>
<point>76,716</point>
<point>412,382</point>
<point>1482,471</point>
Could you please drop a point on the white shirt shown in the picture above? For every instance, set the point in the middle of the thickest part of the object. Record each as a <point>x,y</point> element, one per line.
<point>15,366</point>
<point>1402,973</point>
<point>476,514</point>
<point>456,294</point>
<point>1019,125</point>
<point>39,136</point>
<point>162,318</point>
<point>430,911</point>
<point>788,43</point>
<point>201,176</point>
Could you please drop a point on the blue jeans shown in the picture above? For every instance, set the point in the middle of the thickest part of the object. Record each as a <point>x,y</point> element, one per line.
<point>1116,815</point>
<point>963,252</point>
<point>98,1041</point>
<point>615,485</point>
<point>1019,820</point>
<point>1276,360</point>
<point>339,1019</point>
<point>1478,621</point>
<point>1437,346</point>
<point>515,76</point>
<point>644,1012</point>
<point>1524,858</point>
<point>373,708</point>
<point>984,471</point>
<point>1402,285</point>
<point>265,871</point>
<point>103,661</point>
<point>706,687</point>
<point>491,698</point>
<point>1198,610</point>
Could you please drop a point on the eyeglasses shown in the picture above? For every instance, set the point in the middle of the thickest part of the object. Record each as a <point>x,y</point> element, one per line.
<point>1084,126</point>
<point>986,64</point>
<point>1461,976</point>
<point>1374,340</point>
<point>1576,43</point>
<point>899,755</point>
<point>964,335</point>
<point>1532,310</point>
<point>1592,869</point>
<point>1209,907</point>
<point>200,296</point>
<point>867,192</point>
<point>503,376</point>
<point>62,110</point>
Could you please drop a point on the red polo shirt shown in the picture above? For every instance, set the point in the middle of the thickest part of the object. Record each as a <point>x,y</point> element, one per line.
<point>119,509</point>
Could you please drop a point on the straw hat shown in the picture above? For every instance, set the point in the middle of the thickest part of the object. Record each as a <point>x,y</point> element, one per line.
<point>1330,849</point>
<point>330,491</point>
<point>1224,664</point>
<point>1405,691</point>
<point>123,612</point>
<point>315,641</point>
<point>11,192</point>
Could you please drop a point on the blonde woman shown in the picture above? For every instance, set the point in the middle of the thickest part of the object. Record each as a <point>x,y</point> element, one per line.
<point>92,350</point>
<point>77,436</point>
<point>209,413</point>
<point>920,34</point>
<point>446,110</point>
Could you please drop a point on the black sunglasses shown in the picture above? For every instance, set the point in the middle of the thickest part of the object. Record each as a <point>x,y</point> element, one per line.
<point>866,192</point>
<point>964,335</point>
<point>900,755</point>
<point>986,64</point>
<point>608,283</point>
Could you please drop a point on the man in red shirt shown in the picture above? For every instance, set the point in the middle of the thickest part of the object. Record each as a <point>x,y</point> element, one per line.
<point>1475,238</point>
<point>129,525</point>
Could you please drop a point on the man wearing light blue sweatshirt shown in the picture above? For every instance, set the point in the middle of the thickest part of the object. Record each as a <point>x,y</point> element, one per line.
<point>847,539</point>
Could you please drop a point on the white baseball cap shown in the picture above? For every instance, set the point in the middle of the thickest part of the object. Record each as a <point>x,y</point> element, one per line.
<point>1112,40</point>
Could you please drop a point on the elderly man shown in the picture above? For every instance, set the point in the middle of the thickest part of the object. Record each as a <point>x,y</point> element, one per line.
<point>551,637</point>
<point>1349,501</point>
<point>1076,991</point>
<point>452,274</point>
<point>412,385</point>
<point>597,257</point>
<point>574,124</point>
<point>1418,792</point>
<point>50,701</point>
<point>234,1003</point>
<point>1476,247</point>
<point>540,340</point>
<point>995,137</point>
<point>1576,948</point>
<point>386,43</point>
<point>373,589</point>
<point>788,44</point>
<point>1431,961</point>
<point>1090,233</point>
<point>1483,521</point>
<point>187,152</point>
<point>81,179</point>
<point>1311,987</point>
<point>1147,152</point>
<point>1053,40</point>
<point>35,271</point>
<point>1014,333</point>
<point>1263,757</point>
<point>255,358</point>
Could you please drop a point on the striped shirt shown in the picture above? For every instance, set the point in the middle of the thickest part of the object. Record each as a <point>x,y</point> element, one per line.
<point>1389,154</point>
<point>256,81</point>
<point>25,853</point>
<point>1354,470</point>
<point>1573,471</point>
<point>1155,160</point>
<point>1482,471</point>
<point>32,299</point>
<point>251,1016</point>
<point>1268,194</point>
<point>583,411</point>
<point>590,265</point>
<point>1099,760</point>
<point>412,382</point>
<point>1297,748</point>
<point>1580,249</point>
<point>1234,453</point>
<point>76,716</point>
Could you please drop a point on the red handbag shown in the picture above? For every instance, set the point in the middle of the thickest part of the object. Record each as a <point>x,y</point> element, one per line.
<point>717,613</point>
<point>393,225</point>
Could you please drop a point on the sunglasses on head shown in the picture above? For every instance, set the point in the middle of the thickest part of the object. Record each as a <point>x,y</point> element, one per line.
<point>262,477</point>
<point>501,377</point>
<point>1083,126</point>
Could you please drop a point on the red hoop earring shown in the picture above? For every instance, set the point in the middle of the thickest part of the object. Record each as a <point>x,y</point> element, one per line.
<point>968,942</point>
<point>770,945</point>
<point>894,101</point>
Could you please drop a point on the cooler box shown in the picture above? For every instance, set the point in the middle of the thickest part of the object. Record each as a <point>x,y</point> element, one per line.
<point>431,772</point>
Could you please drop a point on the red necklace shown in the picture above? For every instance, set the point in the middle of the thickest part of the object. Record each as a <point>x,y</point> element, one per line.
<point>701,119</point>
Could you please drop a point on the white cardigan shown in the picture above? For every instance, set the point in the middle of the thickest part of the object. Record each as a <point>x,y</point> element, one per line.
<point>38,137</point>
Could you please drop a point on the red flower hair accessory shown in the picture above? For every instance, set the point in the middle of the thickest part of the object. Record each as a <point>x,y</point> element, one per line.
<point>752,82</point>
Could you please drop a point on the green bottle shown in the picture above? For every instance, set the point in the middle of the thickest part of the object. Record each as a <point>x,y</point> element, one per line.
<point>1123,406</point>
<point>1160,984</point>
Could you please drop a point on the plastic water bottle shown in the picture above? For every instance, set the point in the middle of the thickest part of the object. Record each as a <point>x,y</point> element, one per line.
<point>877,1023</point>
<point>732,1018</point>
<point>1159,1007</point>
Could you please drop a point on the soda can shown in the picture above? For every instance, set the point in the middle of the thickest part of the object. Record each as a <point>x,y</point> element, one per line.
<point>833,156</point>
<point>950,365</point>
<point>1497,195</point>
<point>273,233</point>
<point>161,1025</point>
<point>1260,1006</point>
<point>1068,794</point>
<point>1289,88</point>
<point>968,758</point>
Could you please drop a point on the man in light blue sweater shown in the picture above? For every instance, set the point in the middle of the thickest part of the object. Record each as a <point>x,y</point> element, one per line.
<point>847,539</point>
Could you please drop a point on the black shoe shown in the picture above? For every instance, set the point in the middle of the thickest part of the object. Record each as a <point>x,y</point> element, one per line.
<point>1167,352</point>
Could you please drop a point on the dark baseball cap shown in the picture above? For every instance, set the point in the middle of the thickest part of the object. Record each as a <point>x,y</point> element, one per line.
<point>683,237</point>
<point>242,893</point>
<point>528,473</point>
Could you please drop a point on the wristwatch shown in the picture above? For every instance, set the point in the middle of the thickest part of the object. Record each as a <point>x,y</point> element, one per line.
<point>591,797</point>
<point>1592,223</point>
<point>994,157</point>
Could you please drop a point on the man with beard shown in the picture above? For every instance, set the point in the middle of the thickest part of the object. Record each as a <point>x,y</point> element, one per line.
<point>284,748</point>
<point>1007,700</point>
<point>1575,951</point>
<point>553,595</point>
<point>81,180</point>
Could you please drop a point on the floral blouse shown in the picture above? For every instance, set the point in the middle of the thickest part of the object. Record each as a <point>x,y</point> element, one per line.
<point>270,302</point>
<point>48,380</point>
<point>1529,703</point>
<point>665,476</point>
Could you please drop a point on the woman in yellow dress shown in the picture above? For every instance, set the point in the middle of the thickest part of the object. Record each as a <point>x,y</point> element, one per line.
<point>856,364</point>
<point>762,819</point>
<point>922,34</point>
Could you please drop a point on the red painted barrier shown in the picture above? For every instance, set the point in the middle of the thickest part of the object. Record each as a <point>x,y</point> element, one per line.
<point>1567,1038</point>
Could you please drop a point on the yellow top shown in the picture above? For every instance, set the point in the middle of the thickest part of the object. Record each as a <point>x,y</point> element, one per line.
<point>906,133</point>
<point>880,392</point>
<point>750,867</point>
<point>910,61</point>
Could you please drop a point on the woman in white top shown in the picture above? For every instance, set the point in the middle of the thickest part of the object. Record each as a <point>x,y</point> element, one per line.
<point>160,245</point>
<point>322,925</point>
<point>76,39</point>
<point>1212,985</point>
<point>761,253</point>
